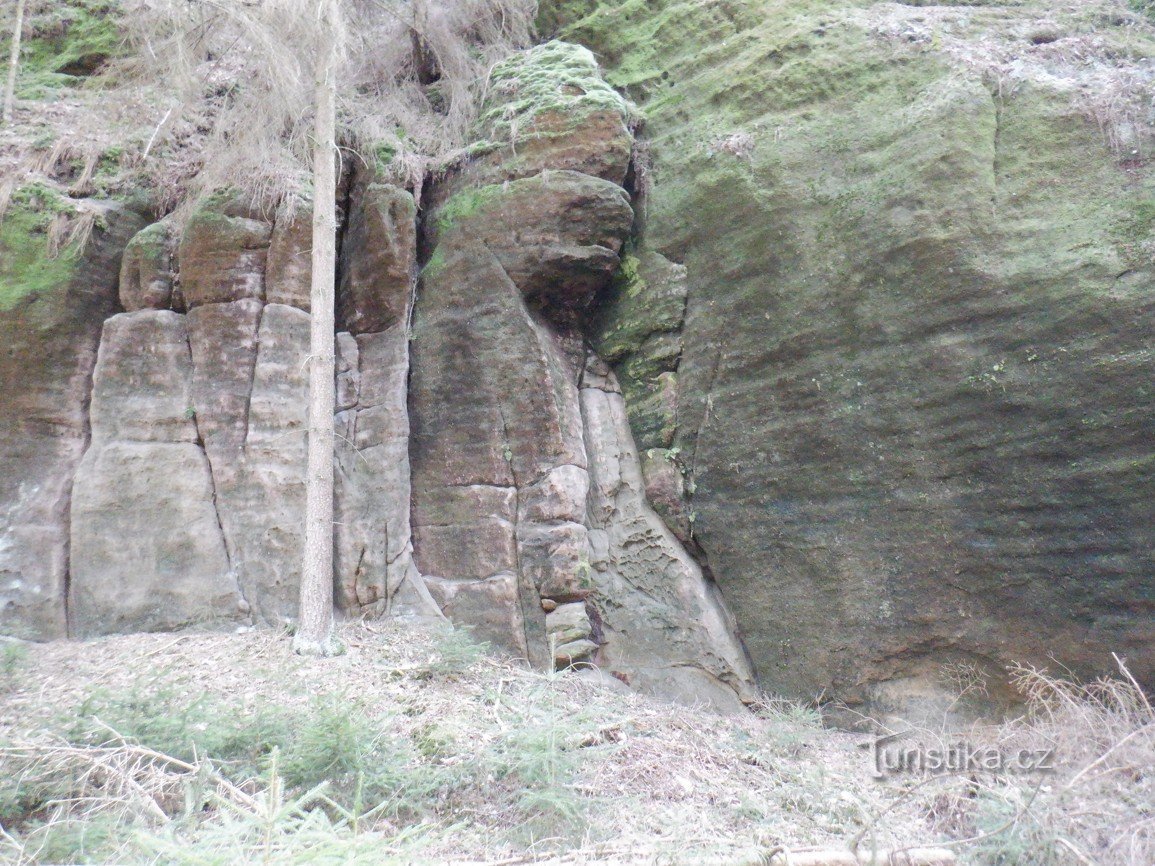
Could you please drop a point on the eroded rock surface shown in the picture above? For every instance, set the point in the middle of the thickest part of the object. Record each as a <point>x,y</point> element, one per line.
<point>204,414</point>
<point>49,337</point>
<point>912,395</point>
<point>665,628</point>
<point>503,443</point>
<point>375,566</point>
<point>147,549</point>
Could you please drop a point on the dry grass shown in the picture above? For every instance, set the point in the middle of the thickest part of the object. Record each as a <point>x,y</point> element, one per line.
<point>218,93</point>
<point>1096,51</point>
<point>502,762</point>
<point>471,758</point>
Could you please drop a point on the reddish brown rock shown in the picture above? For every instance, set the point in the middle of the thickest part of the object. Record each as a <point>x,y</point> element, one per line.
<point>289,267</point>
<point>222,258</point>
<point>378,260</point>
<point>557,235</point>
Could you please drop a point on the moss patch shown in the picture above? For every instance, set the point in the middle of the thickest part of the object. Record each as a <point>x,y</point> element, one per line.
<point>65,44</point>
<point>26,270</point>
<point>557,77</point>
<point>465,204</point>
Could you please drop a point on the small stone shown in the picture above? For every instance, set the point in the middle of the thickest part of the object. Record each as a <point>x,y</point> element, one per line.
<point>548,605</point>
<point>575,651</point>
<point>568,623</point>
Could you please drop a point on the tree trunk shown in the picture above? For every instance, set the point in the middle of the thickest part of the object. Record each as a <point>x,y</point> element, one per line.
<point>315,616</point>
<point>13,63</point>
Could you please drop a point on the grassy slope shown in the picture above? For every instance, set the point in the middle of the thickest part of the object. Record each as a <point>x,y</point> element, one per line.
<point>432,751</point>
<point>475,758</point>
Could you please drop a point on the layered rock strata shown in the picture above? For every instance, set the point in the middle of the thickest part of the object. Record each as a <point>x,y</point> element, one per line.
<point>530,520</point>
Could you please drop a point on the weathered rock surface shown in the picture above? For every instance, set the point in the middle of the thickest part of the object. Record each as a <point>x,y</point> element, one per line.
<point>222,258</point>
<point>913,398</point>
<point>289,265</point>
<point>261,488</point>
<point>665,628</point>
<point>374,544</point>
<point>49,337</point>
<point>147,551</point>
<point>492,407</point>
<point>501,442</point>
<point>556,235</point>
<point>147,269</point>
<point>378,260</point>
<point>229,380</point>
<point>549,109</point>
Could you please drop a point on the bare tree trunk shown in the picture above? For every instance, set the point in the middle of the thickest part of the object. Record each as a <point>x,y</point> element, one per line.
<point>315,617</point>
<point>13,63</point>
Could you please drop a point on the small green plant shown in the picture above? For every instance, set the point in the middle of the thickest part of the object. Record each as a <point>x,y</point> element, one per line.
<point>93,840</point>
<point>12,657</point>
<point>1144,7</point>
<point>163,720</point>
<point>541,758</point>
<point>457,650</point>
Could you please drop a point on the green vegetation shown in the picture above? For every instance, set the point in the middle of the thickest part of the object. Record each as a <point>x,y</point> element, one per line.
<point>331,764</point>
<point>558,78</point>
<point>420,747</point>
<point>26,268</point>
<point>466,204</point>
<point>1134,231</point>
<point>65,44</point>
<point>12,657</point>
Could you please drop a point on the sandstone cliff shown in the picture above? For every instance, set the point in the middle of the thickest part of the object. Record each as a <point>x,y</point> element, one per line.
<point>814,353</point>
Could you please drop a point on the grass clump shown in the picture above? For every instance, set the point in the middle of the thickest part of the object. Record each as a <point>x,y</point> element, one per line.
<point>13,655</point>
<point>67,42</point>
<point>540,764</point>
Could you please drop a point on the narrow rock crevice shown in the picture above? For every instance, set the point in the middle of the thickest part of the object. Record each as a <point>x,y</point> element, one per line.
<point>252,380</point>
<point>245,606</point>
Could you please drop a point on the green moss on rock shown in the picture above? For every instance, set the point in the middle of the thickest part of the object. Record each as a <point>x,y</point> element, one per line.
<point>26,269</point>
<point>557,78</point>
<point>466,204</point>
<point>67,42</point>
<point>917,330</point>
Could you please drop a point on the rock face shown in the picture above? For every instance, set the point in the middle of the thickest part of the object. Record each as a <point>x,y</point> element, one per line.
<point>199,425</point>
<point>856,345</point>
<point>147,552</point>
<point>49,337</point>
<point>910,391</point>
<point>663,624</point>
<point>529,516</point>
<point>374,546</point>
